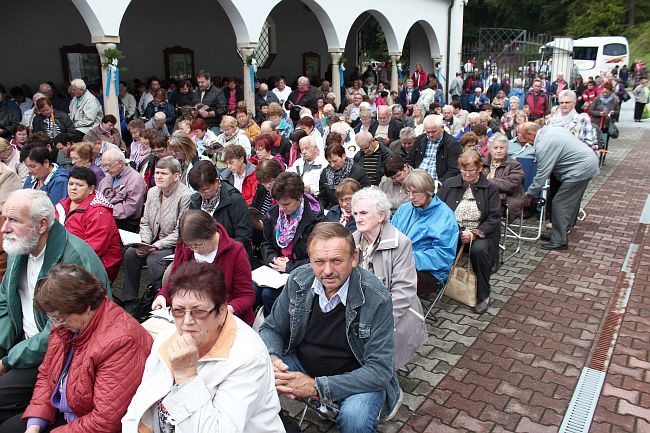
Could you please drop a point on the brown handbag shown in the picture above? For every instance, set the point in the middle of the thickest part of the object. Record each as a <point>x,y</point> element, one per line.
<point>461,283</point>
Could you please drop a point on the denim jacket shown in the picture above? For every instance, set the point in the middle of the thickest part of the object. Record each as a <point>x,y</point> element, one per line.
<point>369,329</point>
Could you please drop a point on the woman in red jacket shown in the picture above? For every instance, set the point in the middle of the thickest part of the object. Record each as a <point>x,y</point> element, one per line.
<point>89,216</point>
<point>94,361</point>
<point>204,240</point>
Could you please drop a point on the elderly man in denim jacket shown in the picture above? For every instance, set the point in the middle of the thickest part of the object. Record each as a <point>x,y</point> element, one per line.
<point>330,335</point>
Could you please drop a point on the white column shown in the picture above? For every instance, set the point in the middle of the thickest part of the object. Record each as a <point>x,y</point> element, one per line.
<point>110,100</point>
<point>336,76</point>
<point>394,77</point>
<point>249,96</point>
<point>455,44</point>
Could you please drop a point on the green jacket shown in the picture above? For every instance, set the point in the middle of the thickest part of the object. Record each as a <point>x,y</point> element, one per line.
<point>62,247</point>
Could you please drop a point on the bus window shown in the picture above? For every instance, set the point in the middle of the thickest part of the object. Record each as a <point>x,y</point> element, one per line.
<point>586,53</point>
<point>614,50</point>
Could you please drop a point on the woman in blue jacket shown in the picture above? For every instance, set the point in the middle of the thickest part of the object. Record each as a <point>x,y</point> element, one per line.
<point>433,231</point>
<point>44,174</point>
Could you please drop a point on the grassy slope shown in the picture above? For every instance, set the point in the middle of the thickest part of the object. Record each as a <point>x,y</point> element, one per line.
<point>639,40</point>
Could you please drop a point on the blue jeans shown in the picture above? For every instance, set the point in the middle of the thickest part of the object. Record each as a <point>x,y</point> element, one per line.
<point>357,413</point>
<point>216,130</point>
<point>265,296</point>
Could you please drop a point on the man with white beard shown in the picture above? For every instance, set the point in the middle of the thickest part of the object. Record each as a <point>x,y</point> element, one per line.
<point>34,242</point>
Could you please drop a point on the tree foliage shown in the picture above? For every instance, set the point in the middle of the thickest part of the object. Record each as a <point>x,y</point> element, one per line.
<point>597,18</point>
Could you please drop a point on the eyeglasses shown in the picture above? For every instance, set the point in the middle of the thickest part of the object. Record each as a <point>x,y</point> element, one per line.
<point>58,320</point>
<point>565,102</point>
<point>159,150</point>
<point>469,171</point>
<point>110,164</point>
<point>196,245</point>
<point>180,313</point>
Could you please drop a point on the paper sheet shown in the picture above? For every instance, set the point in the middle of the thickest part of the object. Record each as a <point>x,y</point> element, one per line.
<point>267,277</point>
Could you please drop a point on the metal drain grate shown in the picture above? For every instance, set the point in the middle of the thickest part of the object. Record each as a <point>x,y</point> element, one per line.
<point>583,403</point>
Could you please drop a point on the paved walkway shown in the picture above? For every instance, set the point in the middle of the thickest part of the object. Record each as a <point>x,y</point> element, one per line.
<point>515,369</point>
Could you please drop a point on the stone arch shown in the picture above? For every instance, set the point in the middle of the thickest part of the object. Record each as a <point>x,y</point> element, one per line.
<point>102,18</point>
<point>392,42</point>
<point>432,38</point>
<point>333,42</point>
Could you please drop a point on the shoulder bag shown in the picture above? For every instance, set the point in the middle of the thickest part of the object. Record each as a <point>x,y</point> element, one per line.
<point>461,284</point>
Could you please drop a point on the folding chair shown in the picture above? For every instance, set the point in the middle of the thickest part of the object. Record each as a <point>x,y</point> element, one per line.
<point>433,303</point>
<point>520,231</point>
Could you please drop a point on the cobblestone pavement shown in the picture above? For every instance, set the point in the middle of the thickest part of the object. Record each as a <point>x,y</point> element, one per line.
<point>514,369</point>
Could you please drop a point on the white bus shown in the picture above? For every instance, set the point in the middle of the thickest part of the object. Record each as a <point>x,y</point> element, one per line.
<point>599,55</point>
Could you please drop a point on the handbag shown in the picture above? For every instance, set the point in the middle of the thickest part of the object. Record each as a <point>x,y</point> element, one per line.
<point>625,97</point>
<point>612,129</point>
<point>461,283</point>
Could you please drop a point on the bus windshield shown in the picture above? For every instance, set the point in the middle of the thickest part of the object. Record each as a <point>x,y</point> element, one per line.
<point>585,53</point>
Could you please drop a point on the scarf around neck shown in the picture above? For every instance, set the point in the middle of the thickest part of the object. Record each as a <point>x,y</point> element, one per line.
<point>286,226</point>
<point>562,121</point>
<point>335,177</point>
<point>606,100</point>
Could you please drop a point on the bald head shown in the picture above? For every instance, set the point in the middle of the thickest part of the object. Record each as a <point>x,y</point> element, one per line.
<point>266,127</point>
<point>527,132</point>
<point>384,114</point>
<point>365,142</point>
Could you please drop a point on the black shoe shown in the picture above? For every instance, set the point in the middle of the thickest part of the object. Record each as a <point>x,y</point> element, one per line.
<point>552,246</point>
<point>545,237</point>
<point>482,306</point>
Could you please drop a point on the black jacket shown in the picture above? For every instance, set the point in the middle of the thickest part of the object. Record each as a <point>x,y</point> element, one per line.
<point>239,94</point>
<point>309,101</point>
<point>299,256</point>
<point>61,119</point>
<point>327,197</point>
<point>446,158</point>
<point>231,213</point>
<point>215,101</point>
<point>359,158</point>
<point>394,127</point>
<point>488,201</point>
<point>9,118</point>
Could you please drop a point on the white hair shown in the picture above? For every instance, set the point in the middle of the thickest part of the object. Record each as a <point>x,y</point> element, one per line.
<point>568,93</point>
<point>407,132</point>
<point>37,96</point>
<point>78,83</point>
<point>498,137</point>
<point>115,154</point>
<point>448,107</point>
<point>473,116</point>
<point>264,86</point>
<point>378,199</point>
<point>306,141</point>
<point>517,82</point>
<point>514,98</point>
<point>434,120</point>
<point>340,127</point>
<point>160,116</point>
<point>303,80</point>
<point>331,95</point>
<point>39,205</point>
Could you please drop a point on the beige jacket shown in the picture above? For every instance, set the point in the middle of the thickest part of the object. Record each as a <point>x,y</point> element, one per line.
<point>159,223</point>
<point>9,182</point>
<point>394,265</point>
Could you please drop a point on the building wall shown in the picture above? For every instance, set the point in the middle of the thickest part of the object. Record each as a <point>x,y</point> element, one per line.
<point>150,26</point>
<point>31,41</point>
<point>297,32</point>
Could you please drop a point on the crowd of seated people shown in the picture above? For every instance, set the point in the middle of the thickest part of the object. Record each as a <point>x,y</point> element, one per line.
<point>369,199</point>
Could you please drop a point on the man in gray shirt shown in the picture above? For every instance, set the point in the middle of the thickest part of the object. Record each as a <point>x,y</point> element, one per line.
<point>559,152</point>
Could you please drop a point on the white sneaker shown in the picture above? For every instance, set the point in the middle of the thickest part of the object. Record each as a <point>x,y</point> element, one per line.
<point>393,412</point>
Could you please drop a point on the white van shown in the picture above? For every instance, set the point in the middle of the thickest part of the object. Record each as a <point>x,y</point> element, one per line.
<point>599,55</point>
